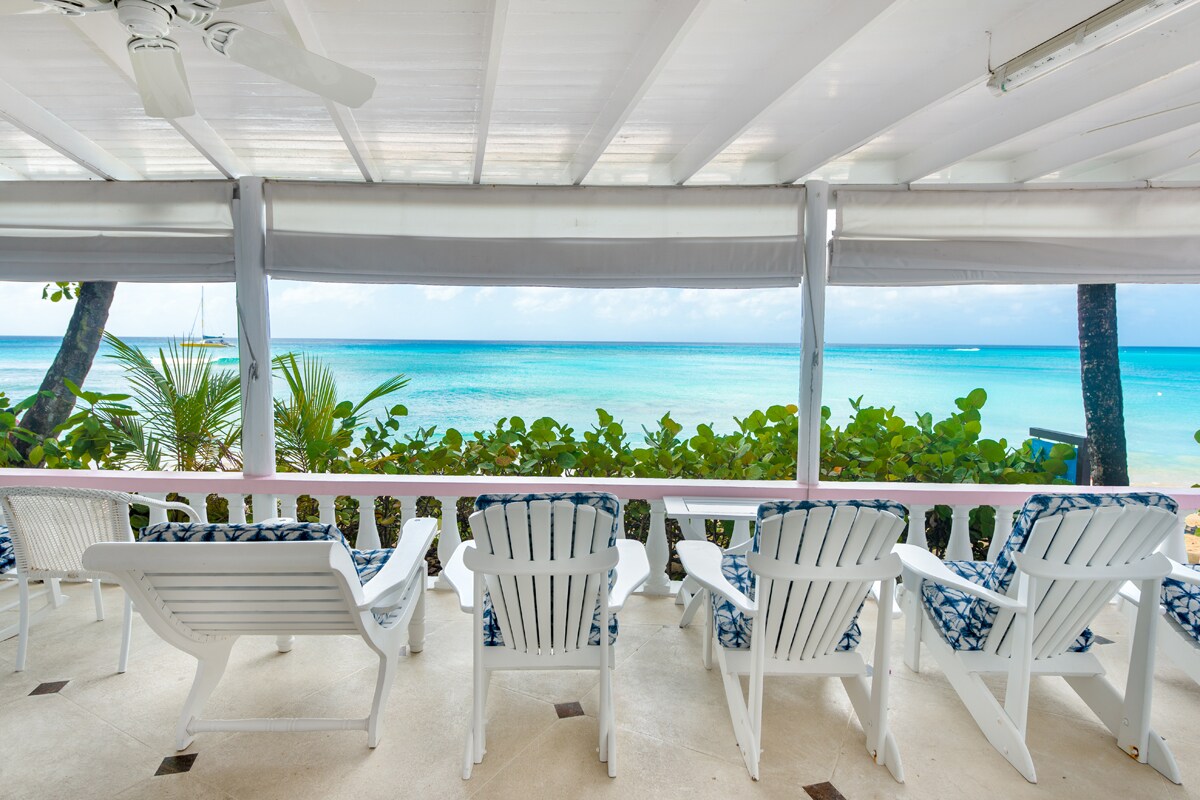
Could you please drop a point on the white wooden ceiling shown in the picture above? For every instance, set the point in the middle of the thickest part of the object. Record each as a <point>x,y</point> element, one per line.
<point>622,92</point>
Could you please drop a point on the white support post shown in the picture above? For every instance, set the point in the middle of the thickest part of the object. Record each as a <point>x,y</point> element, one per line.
<point>408,509</point>
<point>157,515</point>
<point>368,531</point>
<point>657,551</point>
<point>237,507</point>
<point>812,335</point>
<point>959,546</point>
<point>1004,526</point>
<point>254,338</point>
<point>449,538</point>
<point>287,507</point>
<point>327,509</point>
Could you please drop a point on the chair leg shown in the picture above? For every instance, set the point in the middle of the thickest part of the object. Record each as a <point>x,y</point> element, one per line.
<point>383,687</point>
<point>126,635</point>
<point>881,744</point>
<point>57,598</point>
<point>1114,711</point>
<point>416,625</point>
<point>23,635</point>
<point>285,643</point>
<point>209,669</point>
<point>98,599</point>
<point>739,716</point>
<point>608,745</point>
<point>709,632</point>
<point>914,621</point>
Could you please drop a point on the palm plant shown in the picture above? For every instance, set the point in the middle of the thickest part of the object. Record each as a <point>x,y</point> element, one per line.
<point>188,411</point>
<point>312,427</point>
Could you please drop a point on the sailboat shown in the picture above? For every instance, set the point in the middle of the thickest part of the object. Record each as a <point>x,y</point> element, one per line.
<point>205,340</point>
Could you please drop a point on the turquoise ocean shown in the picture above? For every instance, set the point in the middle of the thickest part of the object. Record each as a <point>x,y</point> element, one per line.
<point>469,385</point>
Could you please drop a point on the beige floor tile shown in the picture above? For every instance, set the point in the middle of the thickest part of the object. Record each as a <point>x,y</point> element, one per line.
<point>172,787</point>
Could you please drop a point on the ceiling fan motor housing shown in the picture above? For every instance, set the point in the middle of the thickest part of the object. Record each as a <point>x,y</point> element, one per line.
<point>145,18</point>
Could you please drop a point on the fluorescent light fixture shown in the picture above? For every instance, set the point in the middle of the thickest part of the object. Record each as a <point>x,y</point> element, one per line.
<point>1113,23</point>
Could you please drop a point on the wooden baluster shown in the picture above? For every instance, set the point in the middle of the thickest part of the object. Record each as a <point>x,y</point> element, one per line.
<point>201,507</point>
<point>916,525</point>
<point>1004,526</point>
<point>657,550</point>
<point>959,546</point>
<point>368,532</point>
<point>449,537</point>
<point>740,533</point>
<point>287,506</point>
<point>157,515</point>
<point>623,506</point>
<point>408,510</point>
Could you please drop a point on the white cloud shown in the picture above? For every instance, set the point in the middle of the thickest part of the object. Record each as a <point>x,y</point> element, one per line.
<point>439,294</point>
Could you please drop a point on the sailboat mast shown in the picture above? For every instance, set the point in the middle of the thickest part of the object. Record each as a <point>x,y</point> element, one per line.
<point>201,312</point>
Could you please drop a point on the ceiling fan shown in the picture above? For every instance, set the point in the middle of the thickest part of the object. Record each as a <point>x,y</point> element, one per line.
<point>158,67</point>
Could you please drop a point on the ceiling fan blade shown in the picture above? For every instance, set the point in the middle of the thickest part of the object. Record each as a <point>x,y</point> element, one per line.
<point>283,60</point>
<point>12,8</point>
<point>161,81</point>
<point>227,4</point>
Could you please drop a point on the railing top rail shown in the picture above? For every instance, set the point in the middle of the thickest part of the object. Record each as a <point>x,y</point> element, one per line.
<point>469,485</point>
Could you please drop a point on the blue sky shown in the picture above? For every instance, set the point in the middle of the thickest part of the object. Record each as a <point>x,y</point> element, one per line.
<point>1038,315</point>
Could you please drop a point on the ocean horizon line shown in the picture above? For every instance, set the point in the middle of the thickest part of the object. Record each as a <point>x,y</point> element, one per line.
<point>960,346</point>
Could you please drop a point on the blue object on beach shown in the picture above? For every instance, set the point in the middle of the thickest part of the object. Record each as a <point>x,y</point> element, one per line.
<point>1041,449</point>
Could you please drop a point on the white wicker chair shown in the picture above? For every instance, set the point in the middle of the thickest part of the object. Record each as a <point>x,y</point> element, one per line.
<point>50,529</point>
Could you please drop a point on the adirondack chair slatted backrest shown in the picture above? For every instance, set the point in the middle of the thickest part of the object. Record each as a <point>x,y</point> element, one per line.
<point>544,613</point>
<point>807,619</point>
<point>257,578</point>
<point>51,528</point>
<point>1115,533</point>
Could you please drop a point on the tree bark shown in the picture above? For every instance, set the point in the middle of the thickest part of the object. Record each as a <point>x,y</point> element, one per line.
<point>1100,370</point>
<point>73,361</point>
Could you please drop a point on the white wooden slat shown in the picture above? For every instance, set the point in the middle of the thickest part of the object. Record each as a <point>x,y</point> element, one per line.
<point>588,535</point>
<point>271,629</point>
<point>864,531</point>
<point>563,525</point>
<point>998,640</point>
<point>222,580</point>
<point>783,536</point>
<point>517,518</point>
<point>832,547</point>
<point>193,594</point>
<point>540,532</point>
<point>492,532</point>
<point>812,545</point>
<point>183,606</point>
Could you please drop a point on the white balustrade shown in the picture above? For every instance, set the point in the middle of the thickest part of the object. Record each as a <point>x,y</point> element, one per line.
<point>368,531</point>
<point>917,516</point>
<point>657,551</point>
<point>449,537</point>
<point>237,507</point>
<point>287,506</point>
<point>1004,526</point>
<point>959,546</point>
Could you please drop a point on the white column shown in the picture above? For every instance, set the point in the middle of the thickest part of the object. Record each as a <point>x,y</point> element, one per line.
<point>916,525</point>
<point>812,335</point>
<point>657,551</point>
<point>254,338</point>
<point>1004,526</point>
<point>959,546</point>
<point>449,537</point>
<point>368,531</point>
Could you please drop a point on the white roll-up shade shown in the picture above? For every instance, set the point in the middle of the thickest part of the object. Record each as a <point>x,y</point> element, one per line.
<point>160,231</point>
<point>535,236</point>
<point>936,237</point>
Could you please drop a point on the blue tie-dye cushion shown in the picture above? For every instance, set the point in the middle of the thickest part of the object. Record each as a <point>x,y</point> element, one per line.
<point>8,558</point>
<point>964,620</point>
<point>366,562</point>
<point>1182,601</point>
<point>601,501</point>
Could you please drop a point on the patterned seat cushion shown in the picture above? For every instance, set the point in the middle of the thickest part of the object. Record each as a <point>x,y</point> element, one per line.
<point>964,620</point>
<point>8,559</point>
<point>732,627</point>
<point>601,501</point>
<point>366,562</point>
<point>1182,601</point>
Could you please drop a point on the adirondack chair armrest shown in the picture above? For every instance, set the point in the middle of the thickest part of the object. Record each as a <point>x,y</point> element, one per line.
<point>415,539</point>
<point>702,561</point>
<point>633,569</point>
<point>461,579</point>
<point>924,564</point>
<point>1155,565</point>
<point>1184,574</point>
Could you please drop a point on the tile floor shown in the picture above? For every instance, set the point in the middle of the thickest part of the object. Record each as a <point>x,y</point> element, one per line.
<point>103,735</point>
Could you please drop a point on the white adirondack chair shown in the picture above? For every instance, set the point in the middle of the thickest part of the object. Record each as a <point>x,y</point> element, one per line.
<point>810,567</point>
<point>1028,614</point>
<point>200,595</point>
<point>1179,618</point>
<point>50,528</point>
<point>539,580</point>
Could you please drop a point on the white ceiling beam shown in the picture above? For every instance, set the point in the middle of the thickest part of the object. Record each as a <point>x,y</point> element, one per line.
<point>1114,70</point>
<point>109,41</point>
<point>660,40</point>
<point>774,80</point>
<point>1182,113</point>
<point>1158,163</point>
<point>300,25</point>
<point>493,35</point>
<point>864,123</point>
<point>51,131</point>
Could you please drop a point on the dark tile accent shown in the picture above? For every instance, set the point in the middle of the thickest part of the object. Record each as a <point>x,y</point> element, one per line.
<point>1102,640</point>
<point>54,687</point>
<point>565,710</point>
<point>824,791</point>
<point>173,765</point>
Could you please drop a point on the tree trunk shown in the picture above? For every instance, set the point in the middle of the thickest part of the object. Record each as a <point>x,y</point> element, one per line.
<point>1100,370</point>
<point>73,361</point>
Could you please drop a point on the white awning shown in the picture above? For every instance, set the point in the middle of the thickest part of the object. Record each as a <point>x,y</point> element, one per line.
<point>162,231</point>
<point>535,236</point>
<point>935,237</point>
